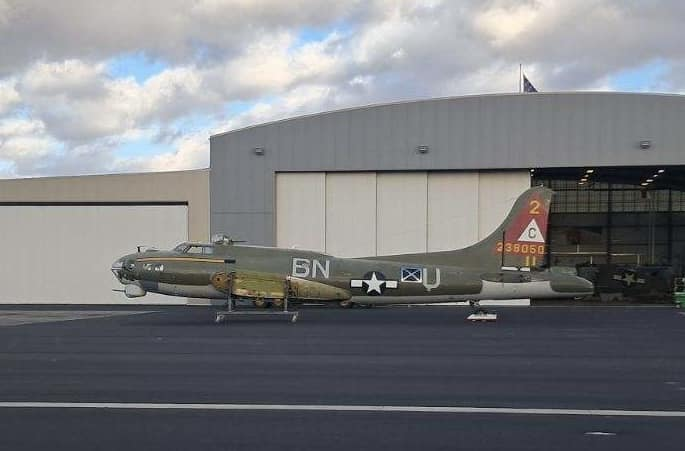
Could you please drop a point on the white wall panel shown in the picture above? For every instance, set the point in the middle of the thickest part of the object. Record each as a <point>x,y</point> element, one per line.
<point>452,210</point>
<point>497,192</point>
<point>356,214</point>
<point>301,210</point>
<point>63,254</point>
<point>351,214</point>
<point>401,212</point>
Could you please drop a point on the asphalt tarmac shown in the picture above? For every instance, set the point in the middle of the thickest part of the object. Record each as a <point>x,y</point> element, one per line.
<point>187,383</point>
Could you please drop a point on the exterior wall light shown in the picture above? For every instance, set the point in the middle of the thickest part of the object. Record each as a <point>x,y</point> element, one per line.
<point>258,151</point>
<point>645,144</point>
<point>422,149</point>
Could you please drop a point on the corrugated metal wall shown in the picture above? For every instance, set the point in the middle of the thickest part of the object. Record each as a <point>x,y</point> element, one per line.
<point>191,187</point>
<point>363,214</point>
<point>60,235</point>
<point>512,131</point>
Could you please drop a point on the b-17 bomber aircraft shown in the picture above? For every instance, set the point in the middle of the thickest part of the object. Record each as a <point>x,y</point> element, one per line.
<point>505,265</point>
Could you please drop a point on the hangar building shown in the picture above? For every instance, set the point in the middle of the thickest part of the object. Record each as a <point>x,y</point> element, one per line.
<point>60,235</point>
<point>441,173</point>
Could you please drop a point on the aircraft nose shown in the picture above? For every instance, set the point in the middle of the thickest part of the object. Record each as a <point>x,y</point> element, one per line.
<point>117,267</point>
<point>118,264</point>
<point>122,267</point>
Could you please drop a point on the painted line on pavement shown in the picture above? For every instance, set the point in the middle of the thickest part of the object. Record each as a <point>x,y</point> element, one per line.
<point>339,408</point>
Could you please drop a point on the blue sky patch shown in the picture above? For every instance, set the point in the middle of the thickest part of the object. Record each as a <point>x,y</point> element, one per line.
<point>5,167</point>
<point>648,77</point>
<point>136,65</point>
<point>311,34</point>
<point>306,35</point>
<point>144,146</point>
<point>235,108</point>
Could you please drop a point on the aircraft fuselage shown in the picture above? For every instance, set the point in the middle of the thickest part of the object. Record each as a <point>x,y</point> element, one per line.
<point>361,280</point>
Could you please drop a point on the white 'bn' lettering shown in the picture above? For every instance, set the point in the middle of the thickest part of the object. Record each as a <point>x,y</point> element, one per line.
<point>304,267</point>
<point>324,270</point>
<point>300,267</point>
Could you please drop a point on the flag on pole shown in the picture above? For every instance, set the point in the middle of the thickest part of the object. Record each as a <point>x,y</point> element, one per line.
<point>527,85</point>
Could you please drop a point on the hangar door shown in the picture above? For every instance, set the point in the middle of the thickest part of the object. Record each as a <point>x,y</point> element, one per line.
<point>356,214</point>
<point>63,253</point>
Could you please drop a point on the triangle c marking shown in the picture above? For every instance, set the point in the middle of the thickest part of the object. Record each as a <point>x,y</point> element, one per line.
<point>532,233</point>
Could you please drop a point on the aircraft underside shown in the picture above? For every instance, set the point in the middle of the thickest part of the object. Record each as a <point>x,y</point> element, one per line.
<point>489,291</point>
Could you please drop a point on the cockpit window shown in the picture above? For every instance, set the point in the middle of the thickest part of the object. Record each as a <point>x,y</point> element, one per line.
<point>181,247</point>
<point>189,248</point>
<point>204,250</point>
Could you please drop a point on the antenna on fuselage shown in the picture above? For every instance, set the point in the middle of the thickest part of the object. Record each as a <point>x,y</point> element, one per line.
<point>225,240</point>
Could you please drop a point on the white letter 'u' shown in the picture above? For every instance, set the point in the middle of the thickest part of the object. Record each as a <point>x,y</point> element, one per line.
<point>430,286</point>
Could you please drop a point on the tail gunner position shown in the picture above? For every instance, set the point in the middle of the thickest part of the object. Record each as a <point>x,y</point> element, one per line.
<point>505,265</point>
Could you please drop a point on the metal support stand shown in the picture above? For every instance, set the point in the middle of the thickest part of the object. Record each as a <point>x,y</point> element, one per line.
<point>480,314</point>
<point>230,311</point>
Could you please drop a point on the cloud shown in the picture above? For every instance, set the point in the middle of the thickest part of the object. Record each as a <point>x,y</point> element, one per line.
<point>505,22</point>
<point>81,102</point>
<point>9,96</point>
<point>279,59</point>
<point>20,138</point>
<point>23,144</point>
<point>174,30</point>
<point>191,152</point>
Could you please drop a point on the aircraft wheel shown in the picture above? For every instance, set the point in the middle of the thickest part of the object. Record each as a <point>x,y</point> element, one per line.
<point>260,303</point>
<point>346,304</point>
<point>277,302</point>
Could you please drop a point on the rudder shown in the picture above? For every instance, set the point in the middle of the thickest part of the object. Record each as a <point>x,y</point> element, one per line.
<point>520,241</point>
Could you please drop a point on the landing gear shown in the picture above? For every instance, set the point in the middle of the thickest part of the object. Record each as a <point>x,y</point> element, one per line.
<point>480,314</point>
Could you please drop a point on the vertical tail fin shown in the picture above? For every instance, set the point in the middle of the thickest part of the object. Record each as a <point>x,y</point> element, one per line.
<point>520,240</point>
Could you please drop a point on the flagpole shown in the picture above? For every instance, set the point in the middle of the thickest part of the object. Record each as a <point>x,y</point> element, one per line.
<point>520,78</point>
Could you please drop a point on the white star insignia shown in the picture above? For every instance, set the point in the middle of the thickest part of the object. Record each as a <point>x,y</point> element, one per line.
<point>373,284</point>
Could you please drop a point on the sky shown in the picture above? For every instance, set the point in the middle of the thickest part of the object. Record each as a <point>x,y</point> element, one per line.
<point>135,86</point>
